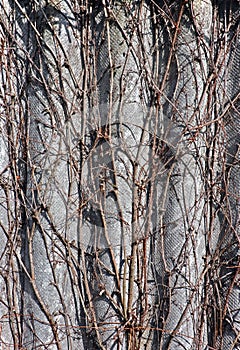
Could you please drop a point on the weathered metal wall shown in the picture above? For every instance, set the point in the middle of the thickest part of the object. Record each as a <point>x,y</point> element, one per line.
<point>119,188</point>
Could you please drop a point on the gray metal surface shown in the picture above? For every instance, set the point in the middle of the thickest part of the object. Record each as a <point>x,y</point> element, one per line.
<point>119,187</point>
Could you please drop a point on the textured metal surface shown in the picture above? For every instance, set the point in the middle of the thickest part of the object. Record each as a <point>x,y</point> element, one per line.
<point>182,235</point>
<point>229,239</point>
<point>51,309</point>
<point>119,187</point>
